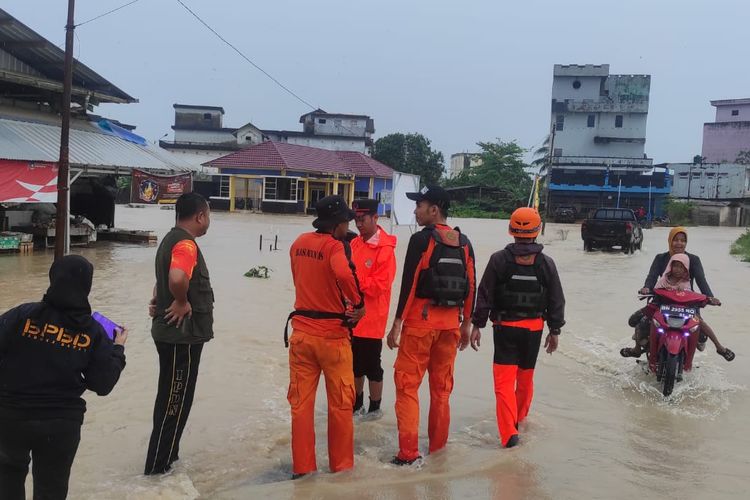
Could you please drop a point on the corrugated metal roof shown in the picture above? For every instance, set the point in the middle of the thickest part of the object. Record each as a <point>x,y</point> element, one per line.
<point>44,57</point>
<point>31,141</point>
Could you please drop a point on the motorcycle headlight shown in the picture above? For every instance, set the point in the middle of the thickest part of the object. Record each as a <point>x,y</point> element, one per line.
<point>675,321</point>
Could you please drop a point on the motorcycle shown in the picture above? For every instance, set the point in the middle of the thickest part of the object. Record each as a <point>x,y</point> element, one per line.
<point>673,338</point>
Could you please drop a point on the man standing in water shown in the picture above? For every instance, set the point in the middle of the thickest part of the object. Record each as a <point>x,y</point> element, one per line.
<point>327,304</point>
<point>520,288</point>
<point>182,311</point>
<point>433,320</point>
<point>374,257</point>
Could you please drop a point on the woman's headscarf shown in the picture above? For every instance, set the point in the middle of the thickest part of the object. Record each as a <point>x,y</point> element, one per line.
<point>70,281</point>
<point>665,280</point>
<point>673,233</point>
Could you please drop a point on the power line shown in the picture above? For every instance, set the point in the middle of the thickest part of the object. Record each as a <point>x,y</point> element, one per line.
<point>107,13</point>
<point>238,51</point>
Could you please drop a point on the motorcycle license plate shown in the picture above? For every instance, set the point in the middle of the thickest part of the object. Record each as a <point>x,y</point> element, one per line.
<point>678,310</point>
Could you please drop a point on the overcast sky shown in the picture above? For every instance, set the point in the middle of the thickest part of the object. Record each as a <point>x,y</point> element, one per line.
<point>458,72</point>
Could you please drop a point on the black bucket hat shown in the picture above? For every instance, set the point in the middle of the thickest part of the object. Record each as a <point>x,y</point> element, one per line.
<point>332,209</point>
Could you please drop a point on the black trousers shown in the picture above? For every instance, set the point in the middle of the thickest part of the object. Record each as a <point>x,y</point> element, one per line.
<point>366,358</point>
<point>178,373</point>
<point>51,443</point>
<point>516,346</point>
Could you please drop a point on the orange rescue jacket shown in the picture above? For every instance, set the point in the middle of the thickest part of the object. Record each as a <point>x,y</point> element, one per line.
<point>417,312</point>
<point>324,281</point>
<point>375,261</point>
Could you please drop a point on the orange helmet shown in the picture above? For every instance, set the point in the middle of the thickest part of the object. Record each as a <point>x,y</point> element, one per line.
<point>525,222</point>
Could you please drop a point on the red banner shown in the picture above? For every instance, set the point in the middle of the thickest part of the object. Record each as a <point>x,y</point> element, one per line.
<point>28,182</point>
<point>151,188</point>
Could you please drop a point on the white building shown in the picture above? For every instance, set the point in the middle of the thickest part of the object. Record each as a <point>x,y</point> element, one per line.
<point>332,131</point>
<point>729,135</point>
<point>200,135</point>
<point>462,161</point>
<point>599,139</point>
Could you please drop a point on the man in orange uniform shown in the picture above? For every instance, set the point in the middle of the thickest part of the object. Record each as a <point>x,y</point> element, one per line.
<point>433,319</point>
<point>328,303</point>
<point>520,289</point>
<point>374,256</point>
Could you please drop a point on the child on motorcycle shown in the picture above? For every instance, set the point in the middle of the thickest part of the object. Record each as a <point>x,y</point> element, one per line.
<point>675,278</point>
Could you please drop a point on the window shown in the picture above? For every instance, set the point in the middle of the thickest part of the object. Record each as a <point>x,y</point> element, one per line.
<point>735,112</point>
<point>591,121</point>
<point>559,122</point>
<point>282,189</point>
<point>618,121</point>
<point>249,138</point>
<point>300,190</point>
<point>354,123</point>
<point>206,116</point>
<point>321,120</point>
<point>557,152</point>
<point>337,122</point>
<point>576,84</point>
<point>224,187</point>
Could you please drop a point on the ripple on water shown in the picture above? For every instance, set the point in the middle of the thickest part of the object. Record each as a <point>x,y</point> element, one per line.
<point>705,392</point>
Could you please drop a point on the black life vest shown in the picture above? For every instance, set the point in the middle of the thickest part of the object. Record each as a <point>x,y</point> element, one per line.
<point>446,281</point>
<point>521,292</point>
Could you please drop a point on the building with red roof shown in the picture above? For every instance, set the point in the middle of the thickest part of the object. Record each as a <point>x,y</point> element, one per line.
<point>280,177</point>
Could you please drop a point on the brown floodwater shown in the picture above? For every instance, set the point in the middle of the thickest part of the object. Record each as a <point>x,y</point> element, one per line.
<point>599,427</point>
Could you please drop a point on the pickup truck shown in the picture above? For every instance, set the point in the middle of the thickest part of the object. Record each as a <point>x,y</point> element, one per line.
<point>608,227</point>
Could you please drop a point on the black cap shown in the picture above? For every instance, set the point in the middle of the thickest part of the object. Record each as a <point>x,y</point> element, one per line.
<point>433,194</point>
<point>332,209</point>
<point>365,206</point>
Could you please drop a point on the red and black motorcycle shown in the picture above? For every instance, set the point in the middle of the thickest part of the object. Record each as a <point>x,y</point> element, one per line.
<point>675,328</point>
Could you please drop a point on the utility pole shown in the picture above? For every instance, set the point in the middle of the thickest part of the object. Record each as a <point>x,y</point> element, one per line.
<point>63,172</point>
<point>549,174</point>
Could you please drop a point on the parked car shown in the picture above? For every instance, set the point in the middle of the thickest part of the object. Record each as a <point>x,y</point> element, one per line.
<point>610,227</point>
<point>565,214</point>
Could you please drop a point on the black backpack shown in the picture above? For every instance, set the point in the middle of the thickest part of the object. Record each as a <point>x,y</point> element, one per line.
<point>446,281</point>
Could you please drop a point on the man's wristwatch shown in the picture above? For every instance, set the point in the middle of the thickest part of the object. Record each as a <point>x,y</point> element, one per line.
<point>554,331</point>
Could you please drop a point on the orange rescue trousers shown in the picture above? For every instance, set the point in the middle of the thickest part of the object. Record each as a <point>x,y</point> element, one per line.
<point>308,356</point>
<point>516,350</point>
<point>420,350</point>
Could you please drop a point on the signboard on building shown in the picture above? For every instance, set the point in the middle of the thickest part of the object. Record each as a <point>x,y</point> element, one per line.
<point>151,188</point>
<point>28,182</point>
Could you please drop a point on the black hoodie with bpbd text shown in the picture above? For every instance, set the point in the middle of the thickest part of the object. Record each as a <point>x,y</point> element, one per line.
<point>52,351</point>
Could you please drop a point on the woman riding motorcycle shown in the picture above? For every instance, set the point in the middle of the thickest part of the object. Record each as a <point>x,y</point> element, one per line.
<point>677,240</point>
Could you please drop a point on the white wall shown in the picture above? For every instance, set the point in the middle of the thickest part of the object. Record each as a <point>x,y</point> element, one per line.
<point>577,139</point>
<point>724,113</point>
<point>562,87</point>
<point>341,126</point>
<point>203,136</point>
<point>330,144</point>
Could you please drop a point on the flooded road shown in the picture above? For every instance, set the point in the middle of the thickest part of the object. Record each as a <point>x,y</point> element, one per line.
<point>598,428</point>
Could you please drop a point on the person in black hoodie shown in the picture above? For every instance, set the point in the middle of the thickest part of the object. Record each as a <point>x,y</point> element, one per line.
<point>50,353</point>
<point>520,291</point>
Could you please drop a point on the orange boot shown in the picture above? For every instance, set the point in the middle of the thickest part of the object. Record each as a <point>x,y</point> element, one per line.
<point>506,405</point>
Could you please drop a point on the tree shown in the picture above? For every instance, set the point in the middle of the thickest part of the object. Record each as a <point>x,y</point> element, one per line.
<point>541,154</point>
<point>411,154</point>
<point>502,167</point>
<point>743,158</point>
<point>698,159</point>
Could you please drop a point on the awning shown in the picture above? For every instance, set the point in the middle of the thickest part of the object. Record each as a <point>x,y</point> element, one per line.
<point>28,182</point>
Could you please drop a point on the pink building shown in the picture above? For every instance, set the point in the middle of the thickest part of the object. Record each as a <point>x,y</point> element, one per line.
<point>729,134</point>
